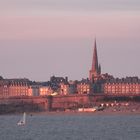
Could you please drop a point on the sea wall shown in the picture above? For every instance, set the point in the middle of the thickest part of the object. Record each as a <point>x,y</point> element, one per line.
<point>75,101</point>
<point>22,104</point>
<point>53,103</point>
<point>46,103</point>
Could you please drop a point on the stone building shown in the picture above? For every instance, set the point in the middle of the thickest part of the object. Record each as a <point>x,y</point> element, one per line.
<point>45,90</point>
<point>55,82</point>
<point>34,90</point>
<point>84,86</point>
<point>73,87</point>
<point>14,87</point>
<point>64,88</point>
<point>93,84</point>
<point>128,85</point>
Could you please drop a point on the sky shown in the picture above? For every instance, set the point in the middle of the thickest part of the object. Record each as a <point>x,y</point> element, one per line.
<point>42,38</point>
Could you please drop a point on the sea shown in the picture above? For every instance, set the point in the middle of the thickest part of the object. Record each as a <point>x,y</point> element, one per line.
<point>70,127</point>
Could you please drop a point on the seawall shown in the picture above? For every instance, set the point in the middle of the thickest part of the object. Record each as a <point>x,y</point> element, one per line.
<point>22,104</point>
<point>53,103</point>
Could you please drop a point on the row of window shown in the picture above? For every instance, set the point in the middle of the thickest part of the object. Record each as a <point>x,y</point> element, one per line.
<point>107,92</point>
<point>14,94</point>
<point>121,88</point>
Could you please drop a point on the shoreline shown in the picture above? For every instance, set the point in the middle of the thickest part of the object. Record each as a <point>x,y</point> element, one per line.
<point>67,113</point>
<point>105,112</point>
<point>122,108</point>
<point>110,108</point>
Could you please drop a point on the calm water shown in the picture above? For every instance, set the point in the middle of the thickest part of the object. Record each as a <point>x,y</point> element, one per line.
<point>71,127</point>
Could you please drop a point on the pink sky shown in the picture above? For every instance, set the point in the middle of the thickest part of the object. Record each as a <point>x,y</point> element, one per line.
<point>108,25</point>
<point>58,27</point>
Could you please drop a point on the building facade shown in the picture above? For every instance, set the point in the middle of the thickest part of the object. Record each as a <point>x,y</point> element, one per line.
<point>128,85</point>
<point>14,87</point>
<point>45,90</point>
<point>84,87</point>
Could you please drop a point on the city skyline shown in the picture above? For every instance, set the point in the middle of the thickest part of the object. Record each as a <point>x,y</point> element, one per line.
<point>39,39</point>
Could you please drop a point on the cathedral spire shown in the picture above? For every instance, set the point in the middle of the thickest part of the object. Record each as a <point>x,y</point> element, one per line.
<point>95,58</point>
<point>95,69</point>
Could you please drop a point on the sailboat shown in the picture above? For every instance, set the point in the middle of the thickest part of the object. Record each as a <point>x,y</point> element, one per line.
<point>22,120</point>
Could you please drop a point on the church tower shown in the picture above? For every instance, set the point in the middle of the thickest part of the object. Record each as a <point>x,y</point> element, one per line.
<point>95,68</point>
